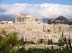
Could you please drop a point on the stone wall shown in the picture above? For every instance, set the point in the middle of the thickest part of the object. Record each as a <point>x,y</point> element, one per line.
<point>37,27</point>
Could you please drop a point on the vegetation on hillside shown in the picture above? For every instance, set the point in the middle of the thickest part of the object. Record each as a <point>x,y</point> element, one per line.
<point>9,43</point>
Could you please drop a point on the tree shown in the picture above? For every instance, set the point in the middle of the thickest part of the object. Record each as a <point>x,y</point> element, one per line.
<point>22,43</point>
<point>8,41</point>
<point>69,42</point>
<point>41,41</point>
<point>60,42</point>
<point>50,42</point>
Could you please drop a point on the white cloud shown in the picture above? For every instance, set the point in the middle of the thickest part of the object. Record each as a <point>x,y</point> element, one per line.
<point>45,9</point>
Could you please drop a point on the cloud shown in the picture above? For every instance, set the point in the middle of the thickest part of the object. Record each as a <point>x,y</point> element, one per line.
<point>44,9</point>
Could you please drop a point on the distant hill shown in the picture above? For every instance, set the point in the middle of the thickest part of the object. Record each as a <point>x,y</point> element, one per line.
<point>12,17</point>
<point>7,18</point>
<point>45,20</point>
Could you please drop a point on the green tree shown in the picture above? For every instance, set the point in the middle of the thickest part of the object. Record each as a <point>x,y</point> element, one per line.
<point>50,42</point>
<point>41,41</point>
<point>60,42</point>
<point>8,41</point>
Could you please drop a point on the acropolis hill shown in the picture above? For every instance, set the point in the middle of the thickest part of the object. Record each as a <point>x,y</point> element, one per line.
<point>33,29</point>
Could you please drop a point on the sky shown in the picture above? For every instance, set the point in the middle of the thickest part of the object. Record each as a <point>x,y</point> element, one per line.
<point>69,2</point>
<point>46,8</point>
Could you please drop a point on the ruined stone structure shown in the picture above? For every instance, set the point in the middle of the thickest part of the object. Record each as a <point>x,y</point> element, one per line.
<point>23,19</point>
<point>28,23</point>
<point>27,19</point>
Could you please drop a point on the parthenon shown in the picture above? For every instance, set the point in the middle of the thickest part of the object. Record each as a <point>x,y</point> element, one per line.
<point>27,19</point>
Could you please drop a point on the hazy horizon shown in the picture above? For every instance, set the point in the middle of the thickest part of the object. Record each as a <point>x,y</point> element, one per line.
<point>45,8</point>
